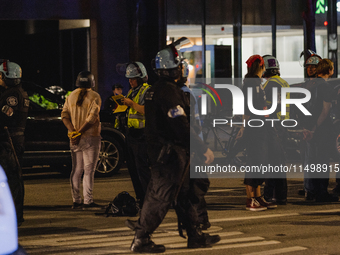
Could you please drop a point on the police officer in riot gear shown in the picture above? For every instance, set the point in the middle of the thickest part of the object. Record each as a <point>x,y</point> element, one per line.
<point>200,185</point>
<point>275,189</point>
<point>168,144</point>
<point>137,160</point>
<point>14,104</point>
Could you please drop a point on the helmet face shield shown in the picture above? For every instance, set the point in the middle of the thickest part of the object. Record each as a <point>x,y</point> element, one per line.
<point>135,70</point>
<point>168,58</point>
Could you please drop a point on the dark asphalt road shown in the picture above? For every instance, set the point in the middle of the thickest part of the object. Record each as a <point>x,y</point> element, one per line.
<point>52,227</point>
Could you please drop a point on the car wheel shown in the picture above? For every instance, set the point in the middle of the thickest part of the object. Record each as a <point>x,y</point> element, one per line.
<point>110,157</point>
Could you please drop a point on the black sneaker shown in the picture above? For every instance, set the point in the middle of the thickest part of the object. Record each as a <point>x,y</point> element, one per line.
<point>145,245</point>
<point>202,240</point>
<point>77,205</point>
<point>92,206</point>
<point>276,201</point>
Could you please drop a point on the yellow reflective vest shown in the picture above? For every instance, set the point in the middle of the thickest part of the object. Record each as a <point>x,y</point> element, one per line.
<point>283,84</point>
<point>136,119</point>
<point>116,123</point>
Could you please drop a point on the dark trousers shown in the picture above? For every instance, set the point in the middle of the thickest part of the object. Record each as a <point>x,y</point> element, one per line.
<point>137,163</point>
<point>14,178</point>
<point>276,188</point>
<point>200,188</point>
<point>317,151</point>
<point>165,181</point>
<point>276,183</point>
<point>264,148</point>
<point>321,180</point>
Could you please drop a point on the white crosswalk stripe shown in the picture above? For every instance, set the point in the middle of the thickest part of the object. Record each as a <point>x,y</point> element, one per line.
<point>279,251</point>
<point>117,241</point>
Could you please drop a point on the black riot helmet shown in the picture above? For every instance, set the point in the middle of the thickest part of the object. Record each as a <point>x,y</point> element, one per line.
<point>85,79</point>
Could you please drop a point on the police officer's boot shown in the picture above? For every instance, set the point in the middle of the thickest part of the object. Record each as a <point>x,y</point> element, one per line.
<point>197,239</point>
<point>142,243</point>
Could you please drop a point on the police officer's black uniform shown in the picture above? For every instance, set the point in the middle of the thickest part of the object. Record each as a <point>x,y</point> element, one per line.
<point>168,142</point>
<point>200,185</point>
<point>14,104</point>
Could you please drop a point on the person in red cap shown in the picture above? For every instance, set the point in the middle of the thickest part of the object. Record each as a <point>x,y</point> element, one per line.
<point>257,138</point>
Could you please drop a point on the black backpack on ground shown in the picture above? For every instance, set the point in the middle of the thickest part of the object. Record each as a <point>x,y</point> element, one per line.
<point>122,205</point>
